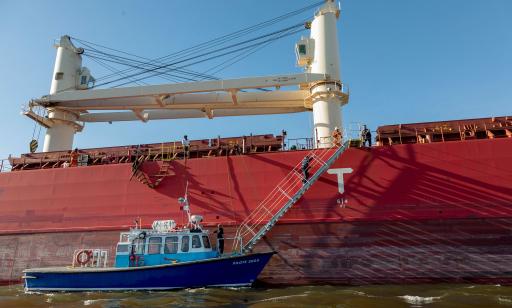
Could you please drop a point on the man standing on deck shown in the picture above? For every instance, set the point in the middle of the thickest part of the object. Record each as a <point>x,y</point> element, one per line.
<point>220,238</point>
<point>366,135</point>
<point>186,144</point>
<point>74,158</point>
<point>305,168</point>
<point>336,137</point>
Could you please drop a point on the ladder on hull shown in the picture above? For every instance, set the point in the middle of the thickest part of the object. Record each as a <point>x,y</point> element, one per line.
<point>261,220</point>
<point>152,181</point>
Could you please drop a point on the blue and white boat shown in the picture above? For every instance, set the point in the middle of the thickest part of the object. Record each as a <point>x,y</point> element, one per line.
<point>161,258</point>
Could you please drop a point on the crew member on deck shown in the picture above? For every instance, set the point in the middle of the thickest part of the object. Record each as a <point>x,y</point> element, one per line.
<point>305,168</point>
<point>186,145</point>
<point>336,137</point>
<point>366,136</point>
<point>220,238</point>
<point>74,158</point>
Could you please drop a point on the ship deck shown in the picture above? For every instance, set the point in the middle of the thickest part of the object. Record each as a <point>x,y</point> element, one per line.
<point>387,135</point>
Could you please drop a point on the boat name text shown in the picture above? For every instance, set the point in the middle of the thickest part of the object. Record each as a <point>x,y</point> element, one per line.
<point>246,261</point>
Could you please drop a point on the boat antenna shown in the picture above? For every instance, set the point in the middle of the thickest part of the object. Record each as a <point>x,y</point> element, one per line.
<point>183,201</point>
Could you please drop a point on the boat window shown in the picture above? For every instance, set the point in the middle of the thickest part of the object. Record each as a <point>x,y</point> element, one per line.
<point>122,248</point>
<point>154,245</point>
<point>196,241</point>
<point>138,246</point>
<point>171,244</point>
<point>206,242</point>
<point>185,243</point>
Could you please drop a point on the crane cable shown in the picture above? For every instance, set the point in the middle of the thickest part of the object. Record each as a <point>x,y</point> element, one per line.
<point>215,42</point>
<point>279,35</point>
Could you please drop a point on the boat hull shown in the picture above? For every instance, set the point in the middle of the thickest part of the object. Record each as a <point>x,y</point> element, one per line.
<point>219,272</point>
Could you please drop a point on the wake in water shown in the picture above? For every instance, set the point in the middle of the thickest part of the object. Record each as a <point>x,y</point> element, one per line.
<point>447,295</point>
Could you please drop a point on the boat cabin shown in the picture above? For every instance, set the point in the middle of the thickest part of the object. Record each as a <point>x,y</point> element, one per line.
<point>163,244</point>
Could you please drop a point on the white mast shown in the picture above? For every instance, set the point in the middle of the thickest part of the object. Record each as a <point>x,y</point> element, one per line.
<point>68,64</point>
<point>327,96</point>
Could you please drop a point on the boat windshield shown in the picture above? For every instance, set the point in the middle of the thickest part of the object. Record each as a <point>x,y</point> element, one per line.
<point>171,244</point>
<point>196,242</point>
<point>122,248</point>
<point>185,243</point>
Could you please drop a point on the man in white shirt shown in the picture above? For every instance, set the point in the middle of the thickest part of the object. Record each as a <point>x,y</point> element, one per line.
<point>186,145</point>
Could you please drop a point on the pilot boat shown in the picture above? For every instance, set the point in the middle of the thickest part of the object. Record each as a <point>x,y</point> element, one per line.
<point>162,257</point>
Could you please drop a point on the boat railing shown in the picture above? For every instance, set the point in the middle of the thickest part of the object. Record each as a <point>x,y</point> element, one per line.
<point>445,131</point>
<point>5,165</point>
<point>230,242</point>
<point>300,144</point>
<point>90,257</point>
<point>166,151</point>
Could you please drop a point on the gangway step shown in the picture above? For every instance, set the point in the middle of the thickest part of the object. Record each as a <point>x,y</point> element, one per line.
<point>264,217</point>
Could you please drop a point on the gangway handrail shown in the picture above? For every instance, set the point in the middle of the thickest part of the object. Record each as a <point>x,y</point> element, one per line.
<point>287,191</point>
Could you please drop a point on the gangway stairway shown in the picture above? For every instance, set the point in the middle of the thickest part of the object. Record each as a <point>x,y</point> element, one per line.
<point>283,197</point>
<point>152,181</point>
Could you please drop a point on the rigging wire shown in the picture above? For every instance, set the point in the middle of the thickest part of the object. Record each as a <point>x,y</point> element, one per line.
<point>216,41</point>
<point>236,59</point>
<point>126,61</point>
<point>273,36</point>
<point>135,65</point>
<point>110,68</point>
<point>168,76</point>
<point>42,113</point>
<point>223,54</point>
<point>107,58</point>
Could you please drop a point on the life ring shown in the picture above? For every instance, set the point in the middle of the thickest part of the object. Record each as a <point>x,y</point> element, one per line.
<point>142,235</point>
<point>83,257</point>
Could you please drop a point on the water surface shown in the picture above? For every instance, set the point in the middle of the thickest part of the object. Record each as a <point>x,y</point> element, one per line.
<point>441,295</point>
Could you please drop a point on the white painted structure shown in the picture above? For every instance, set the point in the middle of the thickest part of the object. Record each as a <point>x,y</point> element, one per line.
<point>68,64</point>
<point>326,95</point>
<point>69,102</point>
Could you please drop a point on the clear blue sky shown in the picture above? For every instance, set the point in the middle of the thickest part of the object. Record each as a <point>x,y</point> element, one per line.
<point>404,60</point>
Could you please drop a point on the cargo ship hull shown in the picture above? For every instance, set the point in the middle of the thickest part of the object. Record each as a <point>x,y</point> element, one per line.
<point>402,213</point>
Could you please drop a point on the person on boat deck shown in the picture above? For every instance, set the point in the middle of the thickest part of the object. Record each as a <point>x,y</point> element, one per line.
<point>305,168</point>
<point>74,158</point>
<point>220,238</point>
<point>366,136</point>
<point>186,145</point>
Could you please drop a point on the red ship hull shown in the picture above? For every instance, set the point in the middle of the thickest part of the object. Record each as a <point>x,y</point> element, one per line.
<point>408,213</point>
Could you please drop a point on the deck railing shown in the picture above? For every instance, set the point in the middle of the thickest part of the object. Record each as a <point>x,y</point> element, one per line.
<point>5,165</point>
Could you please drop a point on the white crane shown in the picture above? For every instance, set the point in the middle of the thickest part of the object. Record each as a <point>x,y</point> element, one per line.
<point>320,89</point>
